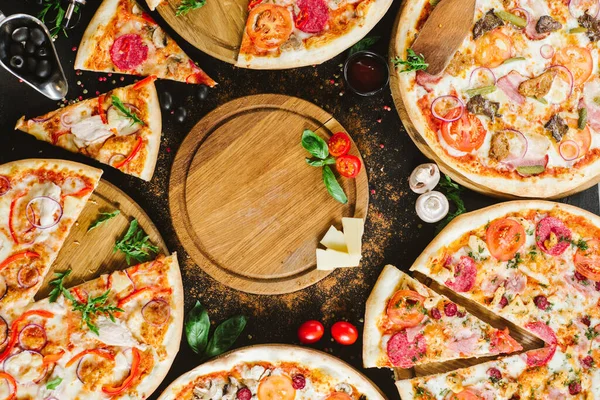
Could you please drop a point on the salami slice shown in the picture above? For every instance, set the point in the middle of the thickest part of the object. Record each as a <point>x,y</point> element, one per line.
<point>553,237</point>
<point>128,52</point>
<point>540,357</point>
<point>465,273</point>
<point>313,15</point>
<point>404,353</point>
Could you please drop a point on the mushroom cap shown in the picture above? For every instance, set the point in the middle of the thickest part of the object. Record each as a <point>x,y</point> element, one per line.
<point>432,206</point>
<point>424,178</point>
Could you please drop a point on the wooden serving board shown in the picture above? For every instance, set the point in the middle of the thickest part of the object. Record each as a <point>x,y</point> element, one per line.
<point>420,142</point>
<point>245,204</point>
<point>90,254</point>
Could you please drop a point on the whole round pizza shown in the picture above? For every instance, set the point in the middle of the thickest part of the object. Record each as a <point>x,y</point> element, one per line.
<point>517,110</point>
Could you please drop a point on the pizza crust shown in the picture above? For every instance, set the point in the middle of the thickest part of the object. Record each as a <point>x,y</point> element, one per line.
<point>155,125</point>
<point>96,27</point>
<point>330,365</point>
<point>153,4</point>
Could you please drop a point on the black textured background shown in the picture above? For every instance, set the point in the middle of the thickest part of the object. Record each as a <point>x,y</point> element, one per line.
<point>393,235</point>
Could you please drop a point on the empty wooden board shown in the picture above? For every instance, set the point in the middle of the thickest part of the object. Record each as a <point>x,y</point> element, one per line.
<point>90,254</point>
<point>245,204</point>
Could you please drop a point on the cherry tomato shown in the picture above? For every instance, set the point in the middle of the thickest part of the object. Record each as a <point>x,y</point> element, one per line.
<point>405,308</point>
<point>269,25</point>
<point>492,49</point>
<point>578,60</point>
<point>504,237</point>
<point>348,165</point>
<point>465,134</point>
<point>587,262</point>
<point>311,332</point>
<point>339,144</point>
<point>344,333</point>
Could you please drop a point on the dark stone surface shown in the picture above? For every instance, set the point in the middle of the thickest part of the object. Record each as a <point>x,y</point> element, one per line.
<point>393,235</point>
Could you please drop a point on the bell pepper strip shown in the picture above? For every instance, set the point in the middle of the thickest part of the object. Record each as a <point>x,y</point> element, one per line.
<point>136,150</point>
<point>134,373</point>
<point>98,352</point>
<point>53,358</point>
<point>144,82</point>
<point>81,192</point>
<point>253,3</point>
<point>11,213</point>
<point>139,292</point>
<point>14,329</point>
<point>301,18</point>
<point>80,296</point>
<point>12,383</point>
<point>18,256</point>
<point>56,135</point>
<point>148,18</point>
<point>101,111</point>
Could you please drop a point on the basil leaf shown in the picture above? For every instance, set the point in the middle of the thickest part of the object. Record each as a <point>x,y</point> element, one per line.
<point>364,44</point>
<point>225,335</point>
<point>332,185</point>
<point>53,384</point>
<point>104,216</point>
<point>314,144</point>
<point>197,326</point>
<point>315,162</point>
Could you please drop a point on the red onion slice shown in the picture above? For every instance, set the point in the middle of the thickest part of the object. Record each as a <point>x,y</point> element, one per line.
<point>489,79</point>
<point>116,158</point>
<point>156,312</point>
<point>28,276</point>
<point>33,337</point>
<point>569,150</point>
<point>39,200</point>
<point>569,75</point>
<point>455,103</point>
<point>547,51</point>
<point>515,157</point>
<point>26,366</point>
<point>578,7</point>
<point>3,331</point>
<point>67,120</point>
<point>4,185</point>
<point>3,289</point>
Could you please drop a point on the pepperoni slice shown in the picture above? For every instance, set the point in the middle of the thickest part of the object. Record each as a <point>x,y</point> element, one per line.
<point>465,273</point>
<point>552,236</point>
<point>543,331</point>
<point>313,15</point>
<point>403,353</point>
<point>128,52</point>
<point>540,357</point>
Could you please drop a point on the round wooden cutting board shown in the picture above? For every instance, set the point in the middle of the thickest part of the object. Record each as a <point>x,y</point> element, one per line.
<point>90,254</point>
<point>245,204</point>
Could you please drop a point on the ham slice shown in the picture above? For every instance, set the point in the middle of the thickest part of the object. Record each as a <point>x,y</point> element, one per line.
<point>516,283</point>
<point>412,332</point>
<point>464,343</point>
<point>509,84</point>
<point>428,81</point>
<point>536,9</point>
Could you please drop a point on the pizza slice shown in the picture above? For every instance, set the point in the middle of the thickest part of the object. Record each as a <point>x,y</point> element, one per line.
<point>121,128</point>
<point>40,200</point>
<point>123,38</point>
<point>288,34</point>
<point>408,324</point>
<point>115,336</point>
<point>153,4</point>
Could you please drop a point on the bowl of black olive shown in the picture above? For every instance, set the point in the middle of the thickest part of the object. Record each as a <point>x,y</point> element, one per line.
<point>27,52</point>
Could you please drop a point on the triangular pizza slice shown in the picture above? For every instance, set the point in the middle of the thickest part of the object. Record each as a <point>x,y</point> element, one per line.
<point>408,324</point>
<point>122,38</point>
<point>40,200</point>
<point>121,128</point>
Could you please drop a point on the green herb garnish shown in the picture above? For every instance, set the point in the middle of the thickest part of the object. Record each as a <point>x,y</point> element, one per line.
<point>314,144</point>
<point>121,107</point>
<point>104,216</point>
<point>188,5</point>
<point>413,62</point>
<point>453,193</point>
<point>135,244</point>
<point>363,44</point>
<point>58,285</point>
<point>53,383</point>
<point>514,263</point>
<point>316,162</point>
<point>55,25</point>
<point>332,185</point>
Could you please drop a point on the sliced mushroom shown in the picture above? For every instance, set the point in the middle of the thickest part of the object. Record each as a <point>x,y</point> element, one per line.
<point>424,178</point>
<point>343,387</point>
<point>159,38</point>
<point>432,206</point>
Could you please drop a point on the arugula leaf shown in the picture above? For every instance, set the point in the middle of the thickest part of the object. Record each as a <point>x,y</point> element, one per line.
<point>53,383</point>
<point>225,335</point>
<point>364,44</point>
<point>315,162</point>
<point>135,244</point>
<point>332,185</point>
<point>104,216</point>
<point>197,326</point>
<point>453,193</point>
<point>413,62</point>
<point>188,5</point>
<point>121,107</point>
<point>59,288</point>
<point>314,144</point>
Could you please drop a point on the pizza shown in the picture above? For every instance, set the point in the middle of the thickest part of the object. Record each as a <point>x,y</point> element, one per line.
<point>287,34</point>
<point>50,352</point>
<point>516,109</point>
<point>40,200</point>
<point>536,264</point>
<point>273,372</point>
<point>408,324</point>
<point>123,38</point>
<point>121,128</point>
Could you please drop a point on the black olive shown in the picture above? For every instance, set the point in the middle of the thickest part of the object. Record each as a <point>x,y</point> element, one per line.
<point>202,92</point>
<point>20,34</point>
<point>166,101</point>
<point>17,62</point>
<point>41,52</point>
<point>44,69</point>
<point>17,49</point>
<point>180,114</point>
<point>30,47</point>
<point>31,64</point>
<point>37,36</point>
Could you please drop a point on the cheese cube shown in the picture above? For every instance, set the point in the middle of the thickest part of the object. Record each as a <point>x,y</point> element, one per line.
<point>330,259</point>
<point>353,232</point>
<point>335,240</point>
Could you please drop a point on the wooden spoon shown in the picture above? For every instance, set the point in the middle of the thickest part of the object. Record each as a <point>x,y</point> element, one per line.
<point>444,31</point>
